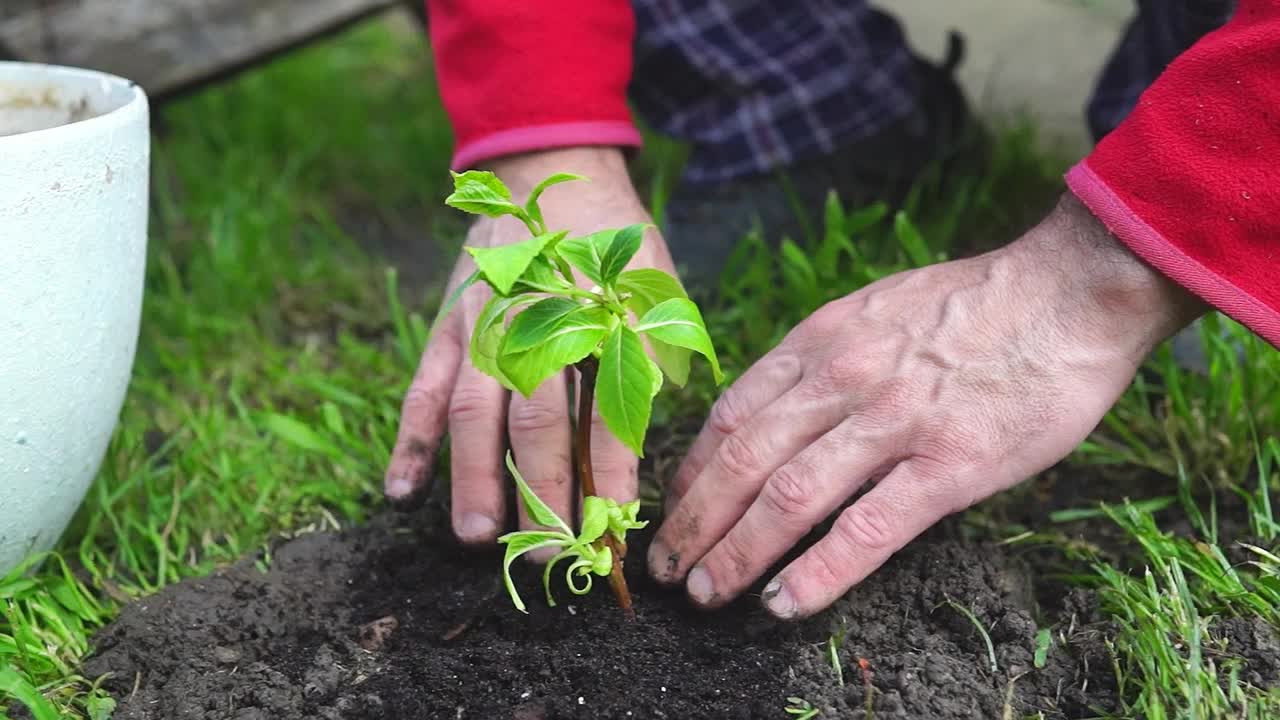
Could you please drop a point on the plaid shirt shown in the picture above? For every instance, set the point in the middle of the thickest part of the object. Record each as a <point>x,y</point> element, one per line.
<point>754,85</point>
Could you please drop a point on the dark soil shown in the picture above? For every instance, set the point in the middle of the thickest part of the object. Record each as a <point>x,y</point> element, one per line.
<point>393,620</point>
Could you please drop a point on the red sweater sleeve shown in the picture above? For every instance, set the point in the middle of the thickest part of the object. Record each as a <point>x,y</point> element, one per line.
<point>517,75</point>
<point>1191,180</point>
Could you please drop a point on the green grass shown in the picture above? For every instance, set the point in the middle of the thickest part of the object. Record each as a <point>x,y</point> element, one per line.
<point>274,353</point>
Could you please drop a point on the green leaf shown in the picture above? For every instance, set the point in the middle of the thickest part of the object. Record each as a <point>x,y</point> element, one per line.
<point>625,387</point>
<point>299,434</point>
<point>911,240</point>
<point>481,193</point>
<point>541,276</point>
<point>602,256</point>
<point>580,335</point>
<point>648,287</point>
<point>503,265</point>
<point>1044,640</point>
<point>595,518</point>
<point>533,505</point>
<point>100,707</point>
<point>621,248</point>
<point>531,205</point>
<point>14,685</point>
<point>584,254</point>
<point>456,295</point>
<point>490,329</point>
<point>678,322</point>
<point>551,318</point>
<point>519,543</point>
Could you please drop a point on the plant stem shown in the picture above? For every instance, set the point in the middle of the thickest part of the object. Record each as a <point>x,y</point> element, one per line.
<point>582,451</point>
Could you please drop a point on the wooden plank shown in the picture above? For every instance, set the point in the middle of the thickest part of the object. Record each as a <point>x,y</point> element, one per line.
<point>168,45</point>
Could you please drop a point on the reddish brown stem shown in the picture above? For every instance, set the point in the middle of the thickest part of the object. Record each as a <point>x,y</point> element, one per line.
<point>582,452</point>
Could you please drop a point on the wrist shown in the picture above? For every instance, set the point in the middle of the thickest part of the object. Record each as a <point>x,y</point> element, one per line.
<point>1111,291</point>
<point>522,171</point>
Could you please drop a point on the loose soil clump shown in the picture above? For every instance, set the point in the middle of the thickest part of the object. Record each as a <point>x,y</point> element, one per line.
<point>394,620</point>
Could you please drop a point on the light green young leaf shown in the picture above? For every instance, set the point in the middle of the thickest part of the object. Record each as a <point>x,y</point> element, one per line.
<point>100,707</point>
<point>503,265</point>
<point>648,287</point>
<point>678,322</point>
<point>567,345</point>
<point>625,387</point>
<point>618,252</point>
<point>482,193</point>
<point>531,205</point>
<point>490,329</point>
<point>623,518</point>
<point>519,543</point>
<point>602,563</point>
<point>602,256</point>
<point>549,318</point>
<point>1044,641</point>
<point>533,505</point>
<point>596,517</point>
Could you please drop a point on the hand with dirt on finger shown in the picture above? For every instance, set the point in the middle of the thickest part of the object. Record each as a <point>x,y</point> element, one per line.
<point>449,394</point>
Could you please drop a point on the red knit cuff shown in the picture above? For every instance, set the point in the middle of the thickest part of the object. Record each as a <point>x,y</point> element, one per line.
<point>1149,244</point>
<point>545,137</point>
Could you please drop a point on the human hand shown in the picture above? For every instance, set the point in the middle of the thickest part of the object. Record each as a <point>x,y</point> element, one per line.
<point>449,392</point>
<point>938,387</point>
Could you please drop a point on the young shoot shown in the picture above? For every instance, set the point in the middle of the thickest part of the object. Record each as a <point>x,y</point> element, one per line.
<point>600,331</point>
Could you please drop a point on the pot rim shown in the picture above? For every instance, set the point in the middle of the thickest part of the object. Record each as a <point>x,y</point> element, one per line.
<point>94,125</point>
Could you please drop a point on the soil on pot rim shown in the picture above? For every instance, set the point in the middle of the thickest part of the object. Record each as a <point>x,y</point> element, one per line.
<point>393,620</point>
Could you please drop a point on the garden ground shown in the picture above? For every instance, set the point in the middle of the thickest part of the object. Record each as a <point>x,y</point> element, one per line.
<point>275,348</point>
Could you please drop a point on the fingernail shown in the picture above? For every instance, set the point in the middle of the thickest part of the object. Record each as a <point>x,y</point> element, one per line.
<point>398,487</point>
<point>476,528</point>
<point>403,497</point>
<point>660,565</point>
<point>777,598</point>
<point>700,587</point>
<point>541,556</point>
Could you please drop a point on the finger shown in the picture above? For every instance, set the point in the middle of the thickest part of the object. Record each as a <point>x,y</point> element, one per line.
<point>762,383</point>
<point>422,417</point>
<point>477,412</point>
<point>540,439</point>
<point>795,498</point>
<point>734,475</point>
<point>911,498</point>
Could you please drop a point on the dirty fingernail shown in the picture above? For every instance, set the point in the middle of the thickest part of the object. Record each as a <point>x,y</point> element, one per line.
<point>700,587</point>
<point>476,527</point>
<point>660,564</point>
<point>777,598</point>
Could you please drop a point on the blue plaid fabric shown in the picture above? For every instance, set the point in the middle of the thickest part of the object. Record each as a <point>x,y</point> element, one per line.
<point>755,85</point>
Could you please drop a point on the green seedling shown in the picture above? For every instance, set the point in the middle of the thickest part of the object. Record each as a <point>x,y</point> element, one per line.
<point>601,332</point>
<point>801,709</point>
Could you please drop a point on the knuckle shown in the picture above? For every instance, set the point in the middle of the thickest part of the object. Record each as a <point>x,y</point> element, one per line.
<point>728,413</point>
<point>469,405</point>
<point>847,369</point>
<point>867,525</point>
<point>737,455</point>
<point>787,493</point>
<point>422,399</point>
<point>534,417</point>
<point>734,555</point>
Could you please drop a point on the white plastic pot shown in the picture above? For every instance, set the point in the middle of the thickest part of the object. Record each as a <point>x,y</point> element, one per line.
<point>74,150</point>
